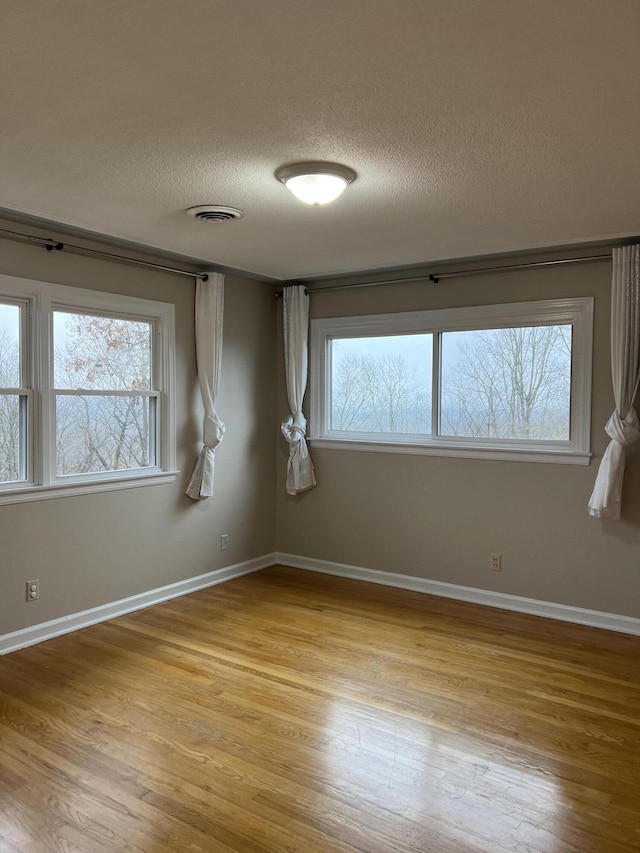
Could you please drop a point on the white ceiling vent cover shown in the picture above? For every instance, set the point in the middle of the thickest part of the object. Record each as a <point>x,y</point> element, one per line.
<point>214,213</point>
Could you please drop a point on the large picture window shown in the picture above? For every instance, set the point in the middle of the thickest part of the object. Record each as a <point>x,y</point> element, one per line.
<point>86,398</point>
<point>501,381</point>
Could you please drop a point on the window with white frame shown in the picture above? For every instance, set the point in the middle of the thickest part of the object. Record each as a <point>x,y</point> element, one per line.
<point>496,381</point>
<point>15,395</point>
<point>86,390</point>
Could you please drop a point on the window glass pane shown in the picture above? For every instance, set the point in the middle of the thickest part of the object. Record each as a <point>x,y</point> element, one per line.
<point>381,385</point>
<point>9,346</point>
<point>10,438</point>
<point>507,383</point>
<point>101,353</point>
<point>103,433</point>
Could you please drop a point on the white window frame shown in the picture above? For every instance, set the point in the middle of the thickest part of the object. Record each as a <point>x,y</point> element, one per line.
<point>41,300</point>
<point>25,387</point>
<point>577,312</point>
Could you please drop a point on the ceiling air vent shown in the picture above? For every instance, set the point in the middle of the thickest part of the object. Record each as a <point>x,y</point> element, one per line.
<point>214,213</point>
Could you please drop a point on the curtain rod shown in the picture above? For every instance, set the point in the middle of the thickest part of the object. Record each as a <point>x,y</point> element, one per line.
<point>434,278</point>
<point>55,245</point>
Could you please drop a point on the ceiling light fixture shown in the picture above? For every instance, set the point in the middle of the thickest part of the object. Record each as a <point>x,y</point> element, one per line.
<point>316,183</point>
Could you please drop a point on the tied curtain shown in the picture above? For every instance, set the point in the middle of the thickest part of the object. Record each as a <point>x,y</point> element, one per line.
<point>208,323</point>
<point>622,426</point>
<point>295,314</point>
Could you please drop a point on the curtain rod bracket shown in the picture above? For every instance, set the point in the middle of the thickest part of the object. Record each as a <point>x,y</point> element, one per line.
<point>203,276</point>
<point>278,293</point>
<point>434,278</point>
<point>53,245</point>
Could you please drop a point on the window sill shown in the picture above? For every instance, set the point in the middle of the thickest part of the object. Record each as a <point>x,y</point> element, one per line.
<point>519,454</point>
<point>25,493</point>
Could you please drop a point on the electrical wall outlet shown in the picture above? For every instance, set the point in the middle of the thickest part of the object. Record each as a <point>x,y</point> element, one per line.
<point>496,562</point>
<point>33,590</point>
<point>224,541</point>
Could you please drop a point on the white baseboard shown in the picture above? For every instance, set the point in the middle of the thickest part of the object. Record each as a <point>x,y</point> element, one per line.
<point>548,609</point>
<point>46,630</point>
<point>66,624</point>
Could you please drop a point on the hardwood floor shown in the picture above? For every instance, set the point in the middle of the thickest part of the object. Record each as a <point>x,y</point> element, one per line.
<point>287,711</point>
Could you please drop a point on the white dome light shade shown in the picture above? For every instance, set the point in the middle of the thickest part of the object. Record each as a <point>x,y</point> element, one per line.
<point>316,183</point>
<point>316,189</point>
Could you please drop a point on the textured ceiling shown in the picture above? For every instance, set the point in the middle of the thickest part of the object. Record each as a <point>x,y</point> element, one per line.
<point>475,126</point>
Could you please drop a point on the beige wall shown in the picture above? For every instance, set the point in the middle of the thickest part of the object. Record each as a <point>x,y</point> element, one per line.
<point>431,517</point>
<point>90,550</point>
<point>441,518</point>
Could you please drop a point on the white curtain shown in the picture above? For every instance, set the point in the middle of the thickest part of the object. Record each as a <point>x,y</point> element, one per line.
<point>622,426</point>
<point>208,322</point>
<point>295,313</point>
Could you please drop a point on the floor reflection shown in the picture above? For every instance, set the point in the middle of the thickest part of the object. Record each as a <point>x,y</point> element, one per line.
<point>452,783</point>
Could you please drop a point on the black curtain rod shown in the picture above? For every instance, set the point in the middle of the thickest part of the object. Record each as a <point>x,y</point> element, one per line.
<point>52,245</point>
<point>56,245</point>
<point>434,278</point>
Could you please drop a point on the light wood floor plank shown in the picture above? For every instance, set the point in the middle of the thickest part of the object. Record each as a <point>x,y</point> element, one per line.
<point>286,712</point>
